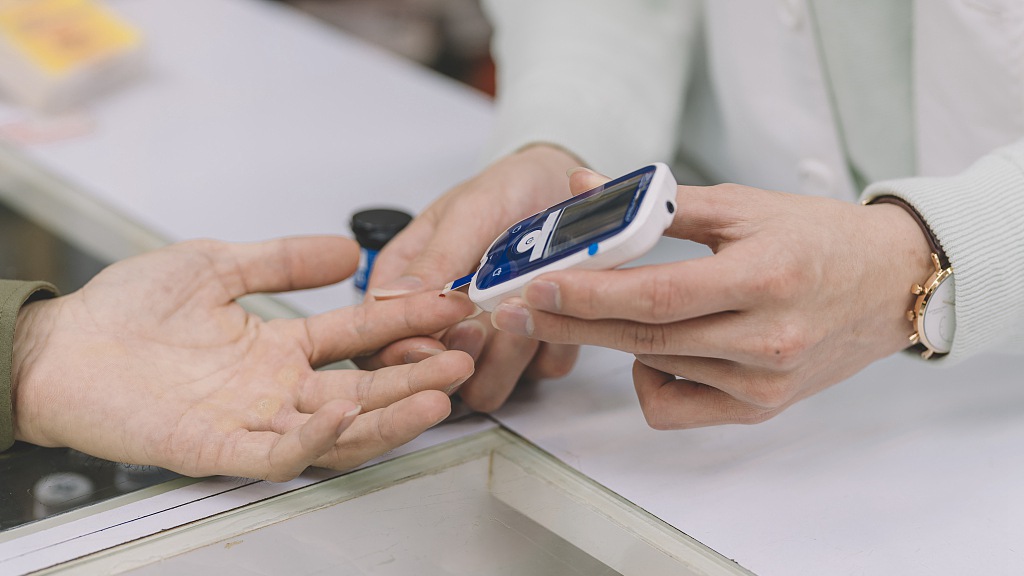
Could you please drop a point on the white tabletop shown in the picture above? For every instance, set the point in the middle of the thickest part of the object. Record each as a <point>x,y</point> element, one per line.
<point>255,121</point>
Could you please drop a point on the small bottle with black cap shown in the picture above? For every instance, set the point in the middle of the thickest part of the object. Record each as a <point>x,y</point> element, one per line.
<point>373,228</point>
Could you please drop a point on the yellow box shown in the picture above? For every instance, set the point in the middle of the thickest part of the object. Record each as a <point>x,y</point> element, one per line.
<point>56,53</point>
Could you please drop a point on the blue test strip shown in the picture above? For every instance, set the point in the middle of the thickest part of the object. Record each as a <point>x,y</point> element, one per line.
<point>460,283</point>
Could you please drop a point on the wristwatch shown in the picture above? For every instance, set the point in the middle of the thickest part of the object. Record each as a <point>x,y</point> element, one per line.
<point>934,311</point>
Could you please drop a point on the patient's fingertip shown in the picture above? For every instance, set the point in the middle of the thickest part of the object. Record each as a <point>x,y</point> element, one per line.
<point>440,407</point>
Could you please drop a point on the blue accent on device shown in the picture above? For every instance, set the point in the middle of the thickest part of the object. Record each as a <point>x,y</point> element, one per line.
<point>579,223</point>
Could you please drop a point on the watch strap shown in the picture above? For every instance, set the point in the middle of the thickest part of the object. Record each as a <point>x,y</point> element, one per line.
<point>933,243</point>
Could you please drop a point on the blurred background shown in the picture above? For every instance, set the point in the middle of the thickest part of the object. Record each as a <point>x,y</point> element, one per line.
<point>450,36</point>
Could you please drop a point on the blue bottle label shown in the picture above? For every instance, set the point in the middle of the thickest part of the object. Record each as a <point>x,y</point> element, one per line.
<point>366,258</point>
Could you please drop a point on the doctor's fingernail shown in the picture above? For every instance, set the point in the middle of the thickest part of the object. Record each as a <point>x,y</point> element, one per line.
<point>347,418</point>
<point>467,336</point>
<point>572,171</point>
<point>397,287</point>
<point>420,354</point>
<point>543,295</point>
<point>513,318</point>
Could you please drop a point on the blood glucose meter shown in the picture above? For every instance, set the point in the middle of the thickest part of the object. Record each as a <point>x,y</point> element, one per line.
<point>599,229</point>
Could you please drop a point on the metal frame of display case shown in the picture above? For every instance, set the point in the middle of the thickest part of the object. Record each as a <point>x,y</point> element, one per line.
<point>497,463</point>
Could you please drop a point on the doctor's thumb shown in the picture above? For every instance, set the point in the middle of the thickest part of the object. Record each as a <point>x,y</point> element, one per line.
<point>582,179</point>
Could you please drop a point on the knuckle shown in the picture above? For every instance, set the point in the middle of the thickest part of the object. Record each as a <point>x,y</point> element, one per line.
<point>661,301</point>
<point>585,300</point>
<point>777,283</point>
<point>566,330</point>
<point>361,328</point>
<point>751,416</point>
<point>770,393</point>
<point>386,429</point>
<point>645,338</point>
<point>657,420</point>
<point>787,276</point>
<point>655,413</point>
<point>364,388</point>
<point>784,347</point>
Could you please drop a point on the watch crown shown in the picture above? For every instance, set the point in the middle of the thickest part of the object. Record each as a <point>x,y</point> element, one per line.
<point>911,315</point>
<point>917,289</point>
<point>914,339</point>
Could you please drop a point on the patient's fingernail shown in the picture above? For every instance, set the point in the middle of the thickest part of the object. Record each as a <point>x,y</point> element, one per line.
<point>513,318</point>
<point>455,385</point>
<point>543,295</point>
<point>397,287</point>
<point>576,169</point>
<point>467,336</point>
<point>420,354</point>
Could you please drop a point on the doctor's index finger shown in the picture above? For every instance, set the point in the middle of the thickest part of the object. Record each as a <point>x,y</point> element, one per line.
<point>400,251</point>
<point>654,294</point>
<point>434,252</point>
<point>712,215</point>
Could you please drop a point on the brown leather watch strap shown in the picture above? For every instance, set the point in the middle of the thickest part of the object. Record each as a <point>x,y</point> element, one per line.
<point>932,242</point>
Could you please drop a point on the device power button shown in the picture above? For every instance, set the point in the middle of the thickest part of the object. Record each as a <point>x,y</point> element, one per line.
<point>527,242</point>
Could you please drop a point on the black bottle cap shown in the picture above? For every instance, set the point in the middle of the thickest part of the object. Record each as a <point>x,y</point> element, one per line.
<point>374,228</point>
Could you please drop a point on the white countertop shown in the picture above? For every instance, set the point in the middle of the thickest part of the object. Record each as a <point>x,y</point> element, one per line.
<point>255,121</point>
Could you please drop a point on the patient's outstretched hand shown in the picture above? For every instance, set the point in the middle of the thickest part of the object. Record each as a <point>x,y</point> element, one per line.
<point>153,362</point>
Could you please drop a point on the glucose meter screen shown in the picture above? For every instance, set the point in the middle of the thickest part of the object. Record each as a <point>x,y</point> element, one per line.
<point>582,222</point>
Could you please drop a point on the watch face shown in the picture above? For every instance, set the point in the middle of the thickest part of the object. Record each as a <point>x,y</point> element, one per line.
<point>939,317</point>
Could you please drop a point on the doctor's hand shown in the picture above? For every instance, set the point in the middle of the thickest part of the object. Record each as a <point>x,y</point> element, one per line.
<point>153,363</point>
<point>447,241</point>
<point>799,294</point>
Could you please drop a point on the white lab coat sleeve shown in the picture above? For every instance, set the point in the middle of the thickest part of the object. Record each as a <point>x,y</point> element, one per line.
<point>978,218</point>
<point>604,79</point>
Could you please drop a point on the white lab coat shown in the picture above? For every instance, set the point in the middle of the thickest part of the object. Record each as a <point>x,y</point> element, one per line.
<point>737,90</point>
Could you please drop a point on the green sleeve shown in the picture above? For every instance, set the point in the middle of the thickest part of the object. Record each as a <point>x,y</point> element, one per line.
<point>13,295</point>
